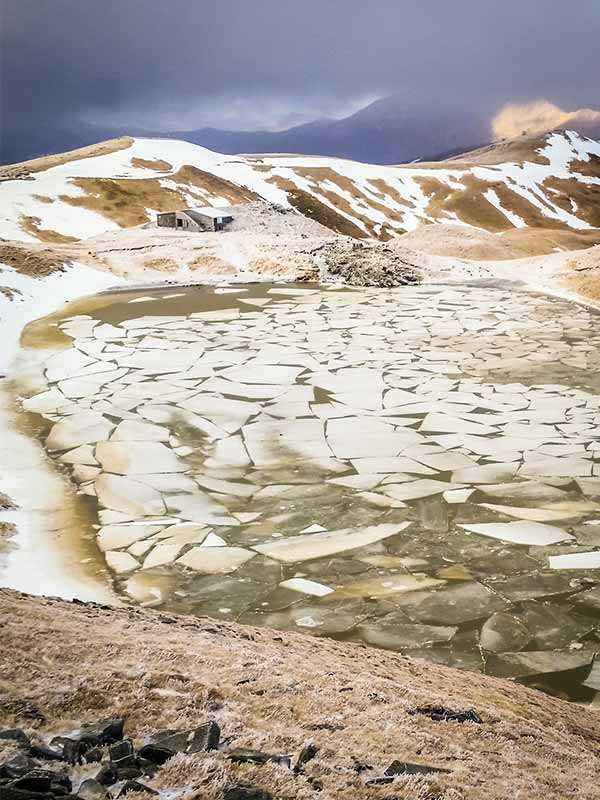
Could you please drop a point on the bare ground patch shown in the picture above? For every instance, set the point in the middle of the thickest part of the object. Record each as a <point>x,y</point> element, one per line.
<point>586,284</point>
<point>147,163</point>
<point>23,168</point>
<point>523,148</point>
<point>583,273</point>
<point>161,264</point>
<point>589,168</point>
<point>318,176</point>
<point>27,261</point>
<point>212,185</point>
<point>125,201</point>
<point>310,207</point>
<point>32,225</point>
<point>451,240</point>
<point>10,292</point>
<point>211,264</point>
<point>468,204</point>
<point>586,198</point>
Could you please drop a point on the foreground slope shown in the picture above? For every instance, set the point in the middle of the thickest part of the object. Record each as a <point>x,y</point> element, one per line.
<point>275,692</point>
<point>548,184</point>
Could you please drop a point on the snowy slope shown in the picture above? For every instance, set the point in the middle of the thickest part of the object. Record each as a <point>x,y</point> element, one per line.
<point>556,186</point>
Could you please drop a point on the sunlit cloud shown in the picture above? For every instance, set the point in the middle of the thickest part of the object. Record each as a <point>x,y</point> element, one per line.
<point>538,117</point>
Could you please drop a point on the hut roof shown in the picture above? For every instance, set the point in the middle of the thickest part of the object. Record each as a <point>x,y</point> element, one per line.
<point>207,211</point>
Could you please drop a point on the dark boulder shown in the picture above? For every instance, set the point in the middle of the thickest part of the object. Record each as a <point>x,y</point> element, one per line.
<point>42,780</point>
<point>305,755</point>
<point>16,734</point>
<point>74,750</point>
<point>147,767</point>
<point>106,731</point>
<point>205,737</point>
<point>79,743</point>
<point>156,754</point>
<point>246,755</point>
<point>135,786</point>
<point>16,767</point>
<point>7,793</point>
<point>398,767</point>
<point>94,755</point>
<point>243,792</point>
<point>122,754</point>
<point>107,775</point>
<point>32,783</point>
<point>41,751</point>
<point>128,772</point>
<point>441,714</point>
<point>92,790</point>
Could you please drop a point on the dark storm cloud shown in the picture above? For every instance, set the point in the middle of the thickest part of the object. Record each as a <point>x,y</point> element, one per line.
<point>145,59</point>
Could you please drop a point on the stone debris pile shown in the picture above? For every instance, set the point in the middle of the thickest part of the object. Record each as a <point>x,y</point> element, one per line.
<point>99,762</point>
<point>102,762</point>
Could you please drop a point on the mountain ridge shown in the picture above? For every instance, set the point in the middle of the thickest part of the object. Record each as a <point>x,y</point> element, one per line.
<point>389,130</point>
<point>551,182</point>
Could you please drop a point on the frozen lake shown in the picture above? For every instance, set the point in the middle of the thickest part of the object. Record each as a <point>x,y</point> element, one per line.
<point>416,468</point>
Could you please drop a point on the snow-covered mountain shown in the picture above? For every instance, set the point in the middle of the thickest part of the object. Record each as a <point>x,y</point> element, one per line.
<point>550,182</point>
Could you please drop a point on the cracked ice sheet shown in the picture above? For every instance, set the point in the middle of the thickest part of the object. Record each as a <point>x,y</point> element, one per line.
<point>530,533</point>
<point>385,366</point>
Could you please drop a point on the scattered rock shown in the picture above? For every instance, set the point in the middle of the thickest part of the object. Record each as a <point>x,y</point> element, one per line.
<point>204,737</point>
<point>15,767</point>
<point>16,734</point>
<point>156,754</point>
<point>129,772</point>
<point>104,732</point>
<point>398,767</point>
<point>45,753</point>
<point>135,786</point>
<point>41,780</point>
<point>107,775</point>
<point>92,790</point>
<point>308,752</point>
<point>6,503</point>
<point>122,754</point>
<point>94,755</point>
<point>23,794</point>
<point>441,714</point>
<point>246,755</point>
<point>407,768</point>
<point>244,792</point>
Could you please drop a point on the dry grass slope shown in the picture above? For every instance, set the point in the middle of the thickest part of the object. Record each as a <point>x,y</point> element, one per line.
<point>64,663</point>
<point>46,162</point>
<point>312,208</point>
<point>35,262</point>
<point>125,201</point>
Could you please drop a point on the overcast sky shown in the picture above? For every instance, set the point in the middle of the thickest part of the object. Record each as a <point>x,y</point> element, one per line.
<point>183,64</point>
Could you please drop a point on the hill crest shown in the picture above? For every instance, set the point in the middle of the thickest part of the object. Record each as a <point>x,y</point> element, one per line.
<point>548,182</point>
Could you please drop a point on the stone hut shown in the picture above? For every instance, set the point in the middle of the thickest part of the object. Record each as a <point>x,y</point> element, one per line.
<point>195,219</point>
